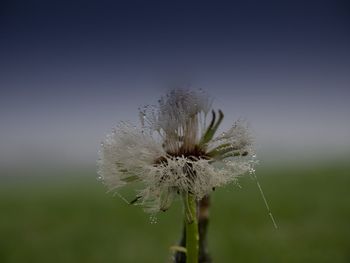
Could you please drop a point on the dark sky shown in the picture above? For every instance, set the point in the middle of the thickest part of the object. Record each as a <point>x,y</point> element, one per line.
<point>123,23</point>
<point>70,70</point>
<point>146,29</point>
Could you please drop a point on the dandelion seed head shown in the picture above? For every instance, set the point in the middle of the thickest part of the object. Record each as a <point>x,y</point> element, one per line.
<point>237,138</point>
<point>126,154</point>
<point>174,151</point>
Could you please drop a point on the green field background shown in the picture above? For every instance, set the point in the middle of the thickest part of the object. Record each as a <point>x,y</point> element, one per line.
<point>69,217</point>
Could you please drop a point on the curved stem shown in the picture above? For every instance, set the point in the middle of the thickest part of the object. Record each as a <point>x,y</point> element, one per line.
<point>191,222</point>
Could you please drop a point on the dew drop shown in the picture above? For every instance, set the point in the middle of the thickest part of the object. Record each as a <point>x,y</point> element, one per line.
<point>251,171</point>
<point>153,219</point>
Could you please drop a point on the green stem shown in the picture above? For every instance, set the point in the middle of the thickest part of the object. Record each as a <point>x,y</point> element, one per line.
<point>192,235</point>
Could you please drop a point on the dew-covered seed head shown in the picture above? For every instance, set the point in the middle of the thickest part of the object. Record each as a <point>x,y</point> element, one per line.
<point>175,151</point>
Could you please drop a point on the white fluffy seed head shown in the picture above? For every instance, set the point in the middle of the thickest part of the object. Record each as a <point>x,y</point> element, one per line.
<point>178,118</point>
<point>166,155</point>
<point>238,137</point>
<point>126,154</point>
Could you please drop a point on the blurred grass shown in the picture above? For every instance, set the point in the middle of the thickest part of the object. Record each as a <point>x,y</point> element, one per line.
<point>70,218</point>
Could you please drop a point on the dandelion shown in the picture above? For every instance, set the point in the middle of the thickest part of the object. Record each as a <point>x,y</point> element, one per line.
<point>175,153</point>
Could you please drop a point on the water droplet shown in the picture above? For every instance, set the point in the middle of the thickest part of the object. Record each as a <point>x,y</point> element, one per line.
<point>153,219</point>
<point>251,171</point>
<point>102,144</point>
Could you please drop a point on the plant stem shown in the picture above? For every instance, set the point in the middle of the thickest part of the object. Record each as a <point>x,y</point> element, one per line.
<point>191,222</point>
<point>203,221</point>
